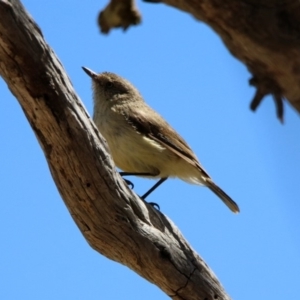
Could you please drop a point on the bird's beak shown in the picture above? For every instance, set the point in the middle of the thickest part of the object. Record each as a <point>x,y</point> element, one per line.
<point>92,74</point>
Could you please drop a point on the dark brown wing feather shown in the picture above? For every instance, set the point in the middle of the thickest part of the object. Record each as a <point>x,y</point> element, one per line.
<point>152,125</point>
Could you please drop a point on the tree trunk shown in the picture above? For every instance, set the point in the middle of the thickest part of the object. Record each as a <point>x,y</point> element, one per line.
<point>114,221</point>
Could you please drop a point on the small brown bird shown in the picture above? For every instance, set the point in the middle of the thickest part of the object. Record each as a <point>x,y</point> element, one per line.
<point>142,143</point>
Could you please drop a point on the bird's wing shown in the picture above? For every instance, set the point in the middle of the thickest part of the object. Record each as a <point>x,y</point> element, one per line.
<point>150,124</point>
<point>153,126</point>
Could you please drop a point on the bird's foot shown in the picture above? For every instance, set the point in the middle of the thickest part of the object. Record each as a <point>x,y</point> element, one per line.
<point>129,183</point>
<point>155,205</point>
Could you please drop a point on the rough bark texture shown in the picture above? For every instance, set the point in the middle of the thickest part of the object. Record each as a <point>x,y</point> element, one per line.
<point>264,35</point>
<point>114,221</point>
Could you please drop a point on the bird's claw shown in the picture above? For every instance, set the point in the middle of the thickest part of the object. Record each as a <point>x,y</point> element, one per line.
<point>155,205</point>
<point>131,185</point>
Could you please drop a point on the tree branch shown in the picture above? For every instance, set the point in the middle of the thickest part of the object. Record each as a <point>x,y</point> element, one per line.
<point>264,35</point>
<point>118,14</point>
<point>114,221</point>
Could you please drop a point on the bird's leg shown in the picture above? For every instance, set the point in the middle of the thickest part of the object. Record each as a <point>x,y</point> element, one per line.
<point>157,184</point>
<point>133,174</point>
<point>136,174</point>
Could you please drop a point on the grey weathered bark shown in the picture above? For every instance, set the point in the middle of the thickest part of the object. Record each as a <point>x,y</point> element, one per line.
<point>114,221</point>
<point>264,35</point>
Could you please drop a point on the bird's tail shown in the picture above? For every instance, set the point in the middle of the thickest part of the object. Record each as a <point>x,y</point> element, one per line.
<point>223,196</point>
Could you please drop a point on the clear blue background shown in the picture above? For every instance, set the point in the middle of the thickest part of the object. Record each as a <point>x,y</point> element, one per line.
<point>184,71</point>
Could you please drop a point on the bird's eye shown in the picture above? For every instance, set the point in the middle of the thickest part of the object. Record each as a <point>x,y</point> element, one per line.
<point>109,85</point>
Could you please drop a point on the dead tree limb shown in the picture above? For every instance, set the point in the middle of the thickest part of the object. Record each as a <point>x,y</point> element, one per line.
<point>113,220</point>
<point>264,35</point>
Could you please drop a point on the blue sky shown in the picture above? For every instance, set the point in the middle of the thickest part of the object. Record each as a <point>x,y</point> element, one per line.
<point>184,71</point>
